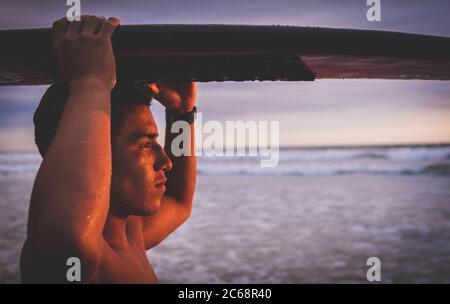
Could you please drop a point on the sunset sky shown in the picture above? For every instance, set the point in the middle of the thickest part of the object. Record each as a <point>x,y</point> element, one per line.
<point>326,112</point>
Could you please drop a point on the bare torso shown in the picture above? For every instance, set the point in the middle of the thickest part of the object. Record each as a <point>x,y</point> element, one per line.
<point>127,264</point>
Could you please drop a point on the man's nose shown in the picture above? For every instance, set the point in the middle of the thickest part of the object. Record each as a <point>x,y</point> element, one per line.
<point>164,163</point>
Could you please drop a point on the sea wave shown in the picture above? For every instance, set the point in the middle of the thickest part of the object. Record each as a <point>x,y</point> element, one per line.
<point>391,153</point>
<point>437,169</point>
<point>302,162</point>
<point>316,169</point>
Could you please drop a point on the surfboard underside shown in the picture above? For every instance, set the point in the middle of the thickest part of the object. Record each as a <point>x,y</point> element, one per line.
<point>160,53</point>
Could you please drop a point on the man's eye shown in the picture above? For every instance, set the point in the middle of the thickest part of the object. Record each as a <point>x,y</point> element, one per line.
<point>145,145</point>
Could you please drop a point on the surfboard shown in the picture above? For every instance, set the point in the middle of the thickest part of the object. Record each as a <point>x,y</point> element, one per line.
<point>204,53</point>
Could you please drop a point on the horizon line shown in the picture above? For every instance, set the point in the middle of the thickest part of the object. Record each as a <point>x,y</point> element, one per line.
<point>343,146</point>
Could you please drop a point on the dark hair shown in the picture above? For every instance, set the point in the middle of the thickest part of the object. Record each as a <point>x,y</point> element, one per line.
<point>51,107</point>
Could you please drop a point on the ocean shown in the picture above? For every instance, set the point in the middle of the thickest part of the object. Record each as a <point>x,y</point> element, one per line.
<point>384,160</point>
<point>315,218</point>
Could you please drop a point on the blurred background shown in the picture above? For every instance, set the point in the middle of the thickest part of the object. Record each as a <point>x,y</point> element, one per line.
<point>364,164</point>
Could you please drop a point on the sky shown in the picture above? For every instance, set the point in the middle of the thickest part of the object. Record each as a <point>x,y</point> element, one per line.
<point>320,113</point>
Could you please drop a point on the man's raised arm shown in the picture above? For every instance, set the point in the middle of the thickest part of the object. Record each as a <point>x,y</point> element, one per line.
<point>181,178</point>
<point>176,204</point>
<point>70,197</point>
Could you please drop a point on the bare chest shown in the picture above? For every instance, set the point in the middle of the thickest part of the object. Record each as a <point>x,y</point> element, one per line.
<point>126,266</point>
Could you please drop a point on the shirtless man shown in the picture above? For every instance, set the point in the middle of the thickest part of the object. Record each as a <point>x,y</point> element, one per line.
<point>106,191</point>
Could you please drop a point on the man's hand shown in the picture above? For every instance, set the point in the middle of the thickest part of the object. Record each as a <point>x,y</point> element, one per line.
<point>83,49</point>
<point>176,97</point>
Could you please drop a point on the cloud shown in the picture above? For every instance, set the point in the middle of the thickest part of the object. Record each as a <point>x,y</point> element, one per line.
<point>17,139</point>
<point>17,105</point>
<point>231,100</point>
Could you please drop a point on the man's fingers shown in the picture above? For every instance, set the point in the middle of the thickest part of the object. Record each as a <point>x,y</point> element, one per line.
<point>154,88</point>
<point>74,28</point>
<point>109,26</point>
<point>59,28</point>
<point>92,24</point>
<point>87,25</point>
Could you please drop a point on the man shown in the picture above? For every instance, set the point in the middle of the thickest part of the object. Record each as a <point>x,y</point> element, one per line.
<point>106,190</point>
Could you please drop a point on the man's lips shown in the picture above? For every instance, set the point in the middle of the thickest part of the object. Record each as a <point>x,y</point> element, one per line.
<point>161,182</point>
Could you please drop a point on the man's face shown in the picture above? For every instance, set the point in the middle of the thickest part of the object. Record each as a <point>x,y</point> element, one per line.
<point>139,162</point>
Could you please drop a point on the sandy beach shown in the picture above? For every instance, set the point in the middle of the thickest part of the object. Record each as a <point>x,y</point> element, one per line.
<point>286,229</point>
